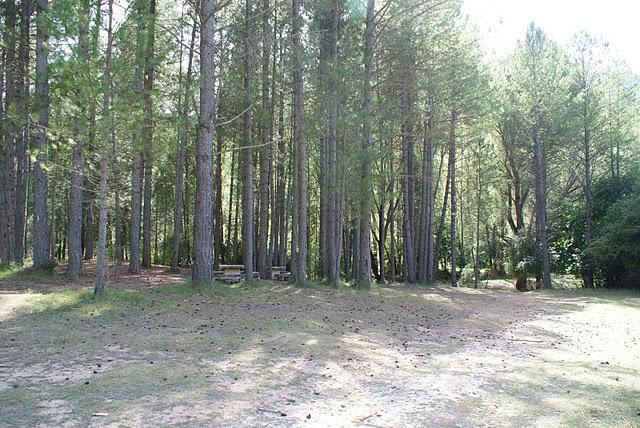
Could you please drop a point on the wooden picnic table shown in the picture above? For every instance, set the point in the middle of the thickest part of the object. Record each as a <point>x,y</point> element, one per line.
<point>231,269</point>
<point>279,273</point>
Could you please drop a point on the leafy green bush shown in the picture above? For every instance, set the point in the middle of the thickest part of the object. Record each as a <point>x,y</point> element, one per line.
<point>47,267</point>
<point>467,276</point>
<point>523,260</point>
<point>616,250</point>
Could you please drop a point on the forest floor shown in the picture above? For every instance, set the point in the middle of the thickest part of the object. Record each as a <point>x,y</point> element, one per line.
<point>155,352</point>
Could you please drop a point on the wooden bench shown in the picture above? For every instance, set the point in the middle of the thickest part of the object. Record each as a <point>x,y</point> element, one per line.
<point>279,273</point>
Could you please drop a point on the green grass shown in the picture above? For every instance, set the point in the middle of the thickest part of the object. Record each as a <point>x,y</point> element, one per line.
<point>213,289</point>
<point>43,274</point>
<point>84,303</point>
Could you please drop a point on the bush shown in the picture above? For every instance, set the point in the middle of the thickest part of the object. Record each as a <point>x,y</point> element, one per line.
<point>522,256</point>
<point>47,267</point>
<point>467,276</point>
<point>616,250</point>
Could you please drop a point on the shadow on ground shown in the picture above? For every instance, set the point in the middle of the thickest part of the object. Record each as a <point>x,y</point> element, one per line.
<point>273,354</point>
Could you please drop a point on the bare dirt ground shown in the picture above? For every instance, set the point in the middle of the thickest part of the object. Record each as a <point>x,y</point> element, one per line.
<point>277,355</point>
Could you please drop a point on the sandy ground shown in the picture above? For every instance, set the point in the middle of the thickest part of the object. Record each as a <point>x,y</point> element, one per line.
<point>277,355</point>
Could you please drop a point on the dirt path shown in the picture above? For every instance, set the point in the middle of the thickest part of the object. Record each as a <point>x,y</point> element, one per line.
<point>285,356</point>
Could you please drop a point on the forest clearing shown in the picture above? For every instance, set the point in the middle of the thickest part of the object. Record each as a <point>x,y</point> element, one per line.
<point>319,213</point>
<point>154,351</point>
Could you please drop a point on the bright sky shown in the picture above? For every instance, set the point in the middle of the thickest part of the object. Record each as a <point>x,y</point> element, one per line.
<point>503,22</point>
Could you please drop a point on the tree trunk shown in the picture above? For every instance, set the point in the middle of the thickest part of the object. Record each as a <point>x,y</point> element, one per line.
<point>149,72</point>
<point>247,200</point>
<point>430,196</point>
<point>588,196</point>
<point>11,128</point>
<point>22,135</point>
<point>408,179</point>
<point>443,214</point>
<point>476,276</point>
<point>300,183</point>
<point>454,207</point>
<point>363,274</point>
<point>182,147</point>
<point>541,205</point>
<point>265,150</point>
<point>137,158</point>
<point>74,244</point>
<point>203,231</point>
<point>41,247</point>
<point>217,206</point>
<point>101,270</point>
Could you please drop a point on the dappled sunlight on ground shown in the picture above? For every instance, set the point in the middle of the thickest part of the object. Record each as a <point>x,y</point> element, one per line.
<point>275,354</point>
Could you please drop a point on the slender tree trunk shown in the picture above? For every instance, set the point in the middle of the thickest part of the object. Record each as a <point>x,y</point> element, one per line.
<point>443,215</point>
<point>74,244</point>
<point>149,74</point>
<point>541,205</point>
<point>89,197</point>
<point>454,207</point>
<point>11,129</point>
<point>218,219</point>
<point>3,238</point>
<point>247,200</point>
<point>118,246</point>
<point>41,248</point>
<point>203,231</point>
<point>274,180</point>
<point>363,275</point>
<point>430,195</point>
<point>300,183</point>
<point>588,237</point>
<point>230,209</point>
<point>53,231</point>
<point>137,158</point>
<point>476,276</point>
<point>408,179</point>
<point>392,223</point>
<point>182,147</point>
<point>266,149</point>
<point>101,270</point>
<point>22,136</point>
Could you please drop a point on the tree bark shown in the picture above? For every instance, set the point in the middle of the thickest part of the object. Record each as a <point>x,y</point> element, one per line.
<point>11,128</point>
<point>203,231</point>
<point>101,270</point>
<point>74,244</point>
<point>454,207</point>
<point>247,200</point>
<point>540,168</point>
<point>363,275</point>
<point>300,183</point>
<point>408,182</point>
<point>149,74</point>
<point>266,149</point>
<point>22,135</point>
<point>41,247</point>
<point>182,147</point>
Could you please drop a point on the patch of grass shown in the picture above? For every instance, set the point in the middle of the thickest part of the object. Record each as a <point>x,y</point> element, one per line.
<point>214,289</point>
<point>84,303</point>
<point>43,273</point>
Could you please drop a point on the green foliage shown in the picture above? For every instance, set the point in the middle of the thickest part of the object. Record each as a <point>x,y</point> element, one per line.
<point>522,256</point>
<point>616,250</point>
<point>467,276</point>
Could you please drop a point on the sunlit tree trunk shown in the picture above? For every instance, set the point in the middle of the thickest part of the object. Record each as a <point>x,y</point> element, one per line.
<point>203,231</point>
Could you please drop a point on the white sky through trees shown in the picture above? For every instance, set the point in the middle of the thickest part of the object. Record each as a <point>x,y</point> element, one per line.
<point>502,23</point>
